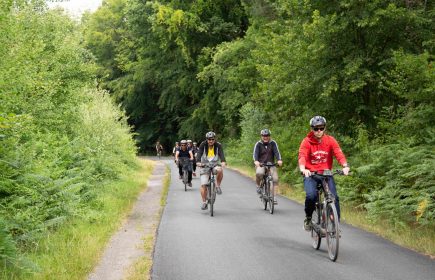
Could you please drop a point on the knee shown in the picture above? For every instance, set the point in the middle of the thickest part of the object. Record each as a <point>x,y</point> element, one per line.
<point>311,196</point>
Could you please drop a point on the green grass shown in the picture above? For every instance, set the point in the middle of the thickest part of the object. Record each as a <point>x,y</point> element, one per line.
<point>73,250</point>
<point>420,239</point>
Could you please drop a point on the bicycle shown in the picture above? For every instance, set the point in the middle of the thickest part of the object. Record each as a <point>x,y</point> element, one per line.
<point>185,162</point>
<point>324,221</point>
<point>267,188</point>
<point>211,184</point>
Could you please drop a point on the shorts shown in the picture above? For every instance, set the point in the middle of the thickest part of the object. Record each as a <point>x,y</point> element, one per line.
<point>259,172</point>
<point>205,174</point>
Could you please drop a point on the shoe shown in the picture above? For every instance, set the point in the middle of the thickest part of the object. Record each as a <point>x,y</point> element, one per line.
<point>204,206</point>
<point>307,223</point>
<point>194,174</point>
<point>218,190</point>
<point>258,190</point>
<point>189,184</point>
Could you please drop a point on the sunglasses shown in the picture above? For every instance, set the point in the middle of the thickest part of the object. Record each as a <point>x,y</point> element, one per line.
<point>183,144</point>
<point>210,139</point>
<point>318,128</point>
<point>265,135</point>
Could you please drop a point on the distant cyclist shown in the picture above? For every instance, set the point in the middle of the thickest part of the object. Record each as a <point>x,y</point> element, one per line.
<point>184,152</point>
<point>210,150</point>
<point>266,150</point>
<point>194,149</point>
<point>316,155</point>
<point>175,149</point>
<point>159,148</point>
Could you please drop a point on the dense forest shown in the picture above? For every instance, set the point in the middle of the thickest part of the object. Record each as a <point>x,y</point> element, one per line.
<point>181,68</point>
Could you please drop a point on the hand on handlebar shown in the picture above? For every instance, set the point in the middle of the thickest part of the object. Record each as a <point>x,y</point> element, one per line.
<point>279,163</point>
<point>346,171</point>
<point>306,173</point>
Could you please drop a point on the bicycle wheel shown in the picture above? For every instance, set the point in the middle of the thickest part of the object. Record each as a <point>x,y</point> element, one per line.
<point>332,231</point>
<point>315,233</point>
<point>185,179</point>
<point>271,197</point>
<point>212,197</point>
<point>265,196</point>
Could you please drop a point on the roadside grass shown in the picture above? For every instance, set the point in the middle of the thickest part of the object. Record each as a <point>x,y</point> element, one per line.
<point>141,270</point>
<point>73,250</point>
<point>420,239</point>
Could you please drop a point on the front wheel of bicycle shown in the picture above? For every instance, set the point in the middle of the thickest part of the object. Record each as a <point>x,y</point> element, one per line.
<point>265,195</point>
<point>315,234</point>
<point>271,197</point>
<point>212,191</point>
<point>185,179</point>
<point>332,231</point>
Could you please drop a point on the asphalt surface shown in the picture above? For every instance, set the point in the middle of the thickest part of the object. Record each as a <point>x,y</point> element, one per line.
<point>242,241</point>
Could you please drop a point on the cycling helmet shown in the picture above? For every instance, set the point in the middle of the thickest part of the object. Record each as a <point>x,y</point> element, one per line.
<point>194,143</point>
<point>210,134</point>
<point>317,120</point>
<point>183,142</point>
<point>177,142</point>
<point>189,141</point>
<point>265,132</point>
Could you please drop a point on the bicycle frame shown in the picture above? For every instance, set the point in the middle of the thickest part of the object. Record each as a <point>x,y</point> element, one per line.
<point>325,222</point>
<point>267,188</point>
<point>185,167</point>
<point>211,185</point>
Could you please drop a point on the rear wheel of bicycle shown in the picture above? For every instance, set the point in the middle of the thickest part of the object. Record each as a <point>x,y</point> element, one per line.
<point>332,231</point>
<point>315,234</point>
<point>271,197</point>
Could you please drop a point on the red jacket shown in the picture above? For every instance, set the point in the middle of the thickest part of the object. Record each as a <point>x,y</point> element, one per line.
<point>317,155</point>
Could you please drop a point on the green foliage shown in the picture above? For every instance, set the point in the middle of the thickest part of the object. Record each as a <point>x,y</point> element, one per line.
<point>59,136</point>
<point>367,66</point>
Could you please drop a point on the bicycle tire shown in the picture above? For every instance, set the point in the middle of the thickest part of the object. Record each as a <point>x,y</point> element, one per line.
<point>265,195</point>
<point>332,231</point>
<point>185,179</point>
<point>315,234</point>
<point>212,197</point>
<point>271,197</point>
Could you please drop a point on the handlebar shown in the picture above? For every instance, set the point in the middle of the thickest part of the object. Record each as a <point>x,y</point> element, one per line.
<point>327,172</point>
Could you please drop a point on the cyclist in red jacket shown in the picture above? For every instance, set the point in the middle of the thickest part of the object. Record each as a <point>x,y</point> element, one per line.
<point>315,155</point>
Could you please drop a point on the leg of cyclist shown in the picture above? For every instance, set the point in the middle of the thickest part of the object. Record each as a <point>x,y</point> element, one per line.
<point>194,166</point>
<point>204,181</point>
<point>180,170</point>
<point>310,200</point>
<point>333,190</point>
<point>219,177</point>
<point>259,173</point>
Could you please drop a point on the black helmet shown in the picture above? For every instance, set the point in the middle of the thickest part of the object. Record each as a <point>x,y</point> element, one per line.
<point>317,120</point>
<point>265,132</point>
<point>210,134</point>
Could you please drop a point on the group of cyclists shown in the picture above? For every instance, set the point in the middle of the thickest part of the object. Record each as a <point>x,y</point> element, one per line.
<point>316,154</point>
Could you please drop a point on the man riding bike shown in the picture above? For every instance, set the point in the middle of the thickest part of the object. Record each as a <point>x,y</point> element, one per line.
<point>184,152</point>
<point>316,155</point>
<point>159,148</point>
<point>210,151</point>
<point>194,149</point>
<point>266,150</point>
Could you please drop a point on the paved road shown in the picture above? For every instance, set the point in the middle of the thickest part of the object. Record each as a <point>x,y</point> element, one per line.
<point>242,241</point>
